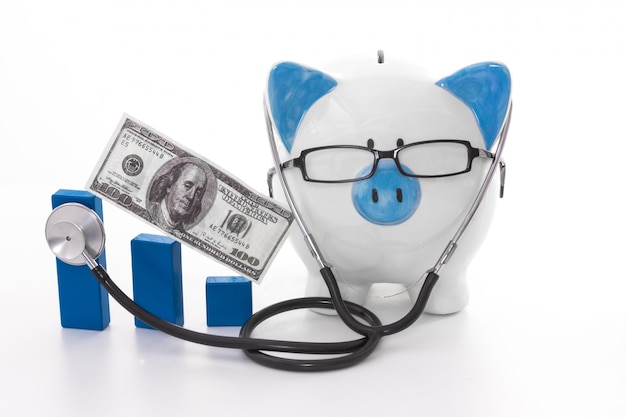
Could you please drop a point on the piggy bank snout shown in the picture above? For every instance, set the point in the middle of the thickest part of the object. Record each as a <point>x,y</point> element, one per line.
<point>388,197</point>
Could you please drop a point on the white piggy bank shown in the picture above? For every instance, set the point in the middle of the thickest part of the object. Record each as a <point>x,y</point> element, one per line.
<point>383,164</point>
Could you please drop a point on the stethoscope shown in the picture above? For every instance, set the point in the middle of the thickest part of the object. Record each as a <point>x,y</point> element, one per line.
<point>76,236</point>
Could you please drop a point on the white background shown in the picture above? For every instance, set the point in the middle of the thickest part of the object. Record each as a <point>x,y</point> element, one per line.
<point>545,331</point>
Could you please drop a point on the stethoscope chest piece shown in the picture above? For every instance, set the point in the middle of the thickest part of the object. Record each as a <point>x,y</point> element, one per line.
<point>75,233</point>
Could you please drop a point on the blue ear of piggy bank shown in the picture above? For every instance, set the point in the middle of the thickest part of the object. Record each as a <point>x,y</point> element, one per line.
<point>486,89</point>
<point>293,89</point>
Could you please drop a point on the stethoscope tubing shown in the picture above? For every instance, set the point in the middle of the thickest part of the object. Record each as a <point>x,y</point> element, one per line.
<point>351,352</point>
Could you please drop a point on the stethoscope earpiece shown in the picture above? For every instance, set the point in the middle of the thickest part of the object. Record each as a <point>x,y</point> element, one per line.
<point>75,234</point>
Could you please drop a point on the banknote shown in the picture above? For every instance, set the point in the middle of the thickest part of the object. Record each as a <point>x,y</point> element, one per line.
<point>190,198</point>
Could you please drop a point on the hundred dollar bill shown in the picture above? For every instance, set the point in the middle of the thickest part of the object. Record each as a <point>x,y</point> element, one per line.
<point>189,198</point>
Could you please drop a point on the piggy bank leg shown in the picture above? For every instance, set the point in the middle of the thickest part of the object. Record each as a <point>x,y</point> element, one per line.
<point>450,295</point>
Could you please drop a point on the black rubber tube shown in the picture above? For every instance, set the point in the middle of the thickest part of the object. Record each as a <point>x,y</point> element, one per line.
<point>350,352</point>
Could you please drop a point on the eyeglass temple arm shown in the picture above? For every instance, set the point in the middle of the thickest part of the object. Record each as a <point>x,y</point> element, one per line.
<point>272,171</point>
<point>482,153</point>
<point>270,176</point>
<point>502,177</point>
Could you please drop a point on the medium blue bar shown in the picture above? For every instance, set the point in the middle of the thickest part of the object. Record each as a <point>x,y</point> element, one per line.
<point>83,302</point>
<point>157,277</point>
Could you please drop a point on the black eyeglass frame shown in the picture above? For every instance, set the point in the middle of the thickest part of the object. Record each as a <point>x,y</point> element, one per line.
<point>300,161</point>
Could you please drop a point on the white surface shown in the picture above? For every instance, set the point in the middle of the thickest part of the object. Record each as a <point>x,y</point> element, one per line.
<point>545,331</point>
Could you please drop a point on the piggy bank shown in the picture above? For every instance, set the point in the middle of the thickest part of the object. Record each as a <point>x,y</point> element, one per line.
<point>383,163</point>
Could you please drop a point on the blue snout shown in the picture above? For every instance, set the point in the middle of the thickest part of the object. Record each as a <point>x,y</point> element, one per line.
<point>388,197</point>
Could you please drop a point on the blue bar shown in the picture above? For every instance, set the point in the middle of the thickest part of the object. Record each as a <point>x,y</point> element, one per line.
<point>84,304</point>
<point>228,301</point>
<point>157,277</point>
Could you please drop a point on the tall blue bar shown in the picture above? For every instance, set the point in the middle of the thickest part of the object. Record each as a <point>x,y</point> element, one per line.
<point>84,304</point>
<point>157,277</point>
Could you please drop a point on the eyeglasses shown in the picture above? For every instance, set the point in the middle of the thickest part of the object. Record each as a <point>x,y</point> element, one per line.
<point>348,163</point>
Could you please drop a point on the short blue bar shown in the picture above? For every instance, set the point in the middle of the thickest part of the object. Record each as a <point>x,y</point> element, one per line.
<point>157,277</point>
<point>83,302</point>
<point>228,301</point>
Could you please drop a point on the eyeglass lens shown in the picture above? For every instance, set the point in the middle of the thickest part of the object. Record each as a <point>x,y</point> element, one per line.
<point>338,164</point>
<point>434,158</point>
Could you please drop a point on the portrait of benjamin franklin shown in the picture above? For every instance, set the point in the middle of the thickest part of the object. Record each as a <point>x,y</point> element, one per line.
<point>181,193</point>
